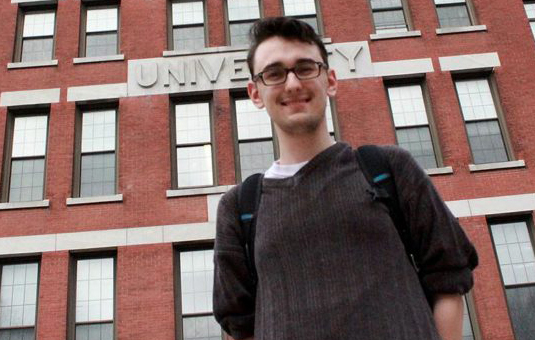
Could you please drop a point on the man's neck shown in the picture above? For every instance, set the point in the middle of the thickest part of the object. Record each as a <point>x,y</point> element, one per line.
<point>299,148</point>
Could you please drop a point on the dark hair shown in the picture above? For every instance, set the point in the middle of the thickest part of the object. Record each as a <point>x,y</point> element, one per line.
<point>284,27</point>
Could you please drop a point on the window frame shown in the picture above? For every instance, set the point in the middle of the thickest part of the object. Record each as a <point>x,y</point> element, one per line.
<point>228,23</point>
<point>406,14</point>
<point>101,4</point>
<point>526,217</point>
<point>12,114</point>
<point>239,95</point>
<point>318,16</point>
<point>191,99</point>
<point>71,295</point>
<point>19,31</point>
<point>171,27</point>
<point>469,9</point>
<point>25,260</point>
<point>77,166</point>
<point>530,20</point>
<point>179,316</point>
<point>493,86</point>
<point>431,124</point>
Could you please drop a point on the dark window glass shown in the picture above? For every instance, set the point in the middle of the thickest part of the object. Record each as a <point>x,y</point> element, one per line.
<point>98,175</point>
<point>37,49</point>
<point>521,302</point>
<point>188,38</point>
<point>38,36</point>
<point>101,31</point>
<point>101,44</point>
<point>255,157</point>
<point>188,25</point>
<point>239,33</point>
<point>453,16</point>
<point>418,142</point>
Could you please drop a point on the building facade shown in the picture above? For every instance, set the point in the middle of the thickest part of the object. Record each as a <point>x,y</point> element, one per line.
<point>123,122</point>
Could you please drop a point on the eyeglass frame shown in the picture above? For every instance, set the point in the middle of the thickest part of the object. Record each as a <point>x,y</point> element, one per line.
<point>320,64</point>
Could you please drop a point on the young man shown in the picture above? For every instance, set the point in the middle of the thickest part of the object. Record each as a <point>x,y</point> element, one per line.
<point>330,262</point>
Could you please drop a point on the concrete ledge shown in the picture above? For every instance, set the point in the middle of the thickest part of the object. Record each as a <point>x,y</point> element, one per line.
<point>27,244</point>
<point>29,97</point>
<point>461,29</point>
<point>34,2</point>
<point>189,232</point>
<point>95,199</point>
<point>396,35</point>
<point>403,67</point>
<point>206,50</point>
<point>86,60</point>
<point>198,191</point>
<point>25,205</point>
<point>91,239</point>
<point>469,62</point>
<point>96,92</point>
<point>29,64</point>
<point>497,166</point>
<point>439,171</point>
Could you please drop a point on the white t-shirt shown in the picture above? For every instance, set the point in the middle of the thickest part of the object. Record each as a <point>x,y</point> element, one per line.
<point>277,170</point>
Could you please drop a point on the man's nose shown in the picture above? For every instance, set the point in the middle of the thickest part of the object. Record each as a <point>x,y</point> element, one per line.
<point>292,82</point>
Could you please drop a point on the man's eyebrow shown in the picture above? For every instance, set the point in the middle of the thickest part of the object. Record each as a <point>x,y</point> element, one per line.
<point>278,63</point>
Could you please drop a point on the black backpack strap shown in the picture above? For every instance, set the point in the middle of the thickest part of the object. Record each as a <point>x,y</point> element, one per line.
<point>376,169</point>
<point>248,200</point>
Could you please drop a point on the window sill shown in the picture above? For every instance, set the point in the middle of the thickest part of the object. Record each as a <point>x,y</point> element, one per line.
<point>87,60</point>
<point>496,166</point>
<point>30,64</point>
<point>95,199</point>
<point>439,171</point>
<point>24,205</point>
<point>221,189</point>
<point>462,29</point>
<point>396,35</point>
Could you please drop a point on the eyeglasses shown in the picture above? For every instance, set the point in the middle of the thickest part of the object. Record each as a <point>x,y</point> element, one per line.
<point>303,70</point>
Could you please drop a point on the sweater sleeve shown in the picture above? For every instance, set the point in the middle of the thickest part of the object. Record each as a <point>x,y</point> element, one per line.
<point>234,291</point>
<point>443,252</point>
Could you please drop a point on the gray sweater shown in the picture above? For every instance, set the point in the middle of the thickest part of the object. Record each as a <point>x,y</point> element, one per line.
<point>330,262</point>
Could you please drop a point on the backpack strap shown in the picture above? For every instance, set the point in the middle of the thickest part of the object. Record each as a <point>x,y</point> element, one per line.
<point>248,200</point>
<point>376,169</point>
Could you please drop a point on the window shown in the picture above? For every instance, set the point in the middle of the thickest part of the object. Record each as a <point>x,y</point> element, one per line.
<point>96,162</point>
<point>513,242</point>
<point>195,306</point>
<point>255,138</point>
<point>483,125</point>
<point>411,122</point>
<point>100,33</point>
<point>453,13</point>
<point>529,6</point>
<point>18,300</point>
<point>468,329</point>
<point>188,25</point>
<point>330,120</point>
<point>35,38</point>
<point>303,10</point>
<point>241,15</point>
<point>193,144</point>
<point>94,303</point>
<point>389,16</point>
<point>24,171</point>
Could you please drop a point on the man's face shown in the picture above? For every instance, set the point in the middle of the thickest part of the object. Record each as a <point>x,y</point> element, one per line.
<point>295,106</point>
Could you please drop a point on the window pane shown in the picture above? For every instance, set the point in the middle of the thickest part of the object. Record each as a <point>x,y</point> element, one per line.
<point>521,301</point>
<point>202,328</point>
<point>18,297</point>
<point>329,117</point>
<point>188,38</point>
<point>91,305</point>
<point>390,21</point>
<point>407,103</point>
<point>98,131</point>
<point>239,33</point>
<point>382,4</point>
<point>187,13</point>
<point>532,24</point>
<point>486,142</point>
<point>252,122</point>
<point>97,176</point>
<point>39,24</point>
<point>312,21</point>
<point>192,123</point>
<point>255,157</point>
<point>27,178</point>
<point>453,16</point>
<point>299,7</point>
<point>37,49</point>
<point>101,44</point>
<point>467,332</point>
<point>476,100</point>
<point>196,280</point>
<point>29,136</point>
<point>101,20</point>
<point>17,334</point>
<point>194,165</point>
<point>243,9</point>
<point>418,142</point>
<point>530,10</point>
<point>102,331</point>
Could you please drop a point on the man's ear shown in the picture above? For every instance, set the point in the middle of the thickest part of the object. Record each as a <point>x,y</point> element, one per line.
<point>332,83</point>
<point>252,90</point>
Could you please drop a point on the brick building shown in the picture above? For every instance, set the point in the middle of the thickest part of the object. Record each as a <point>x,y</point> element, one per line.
<point>123,122</point>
